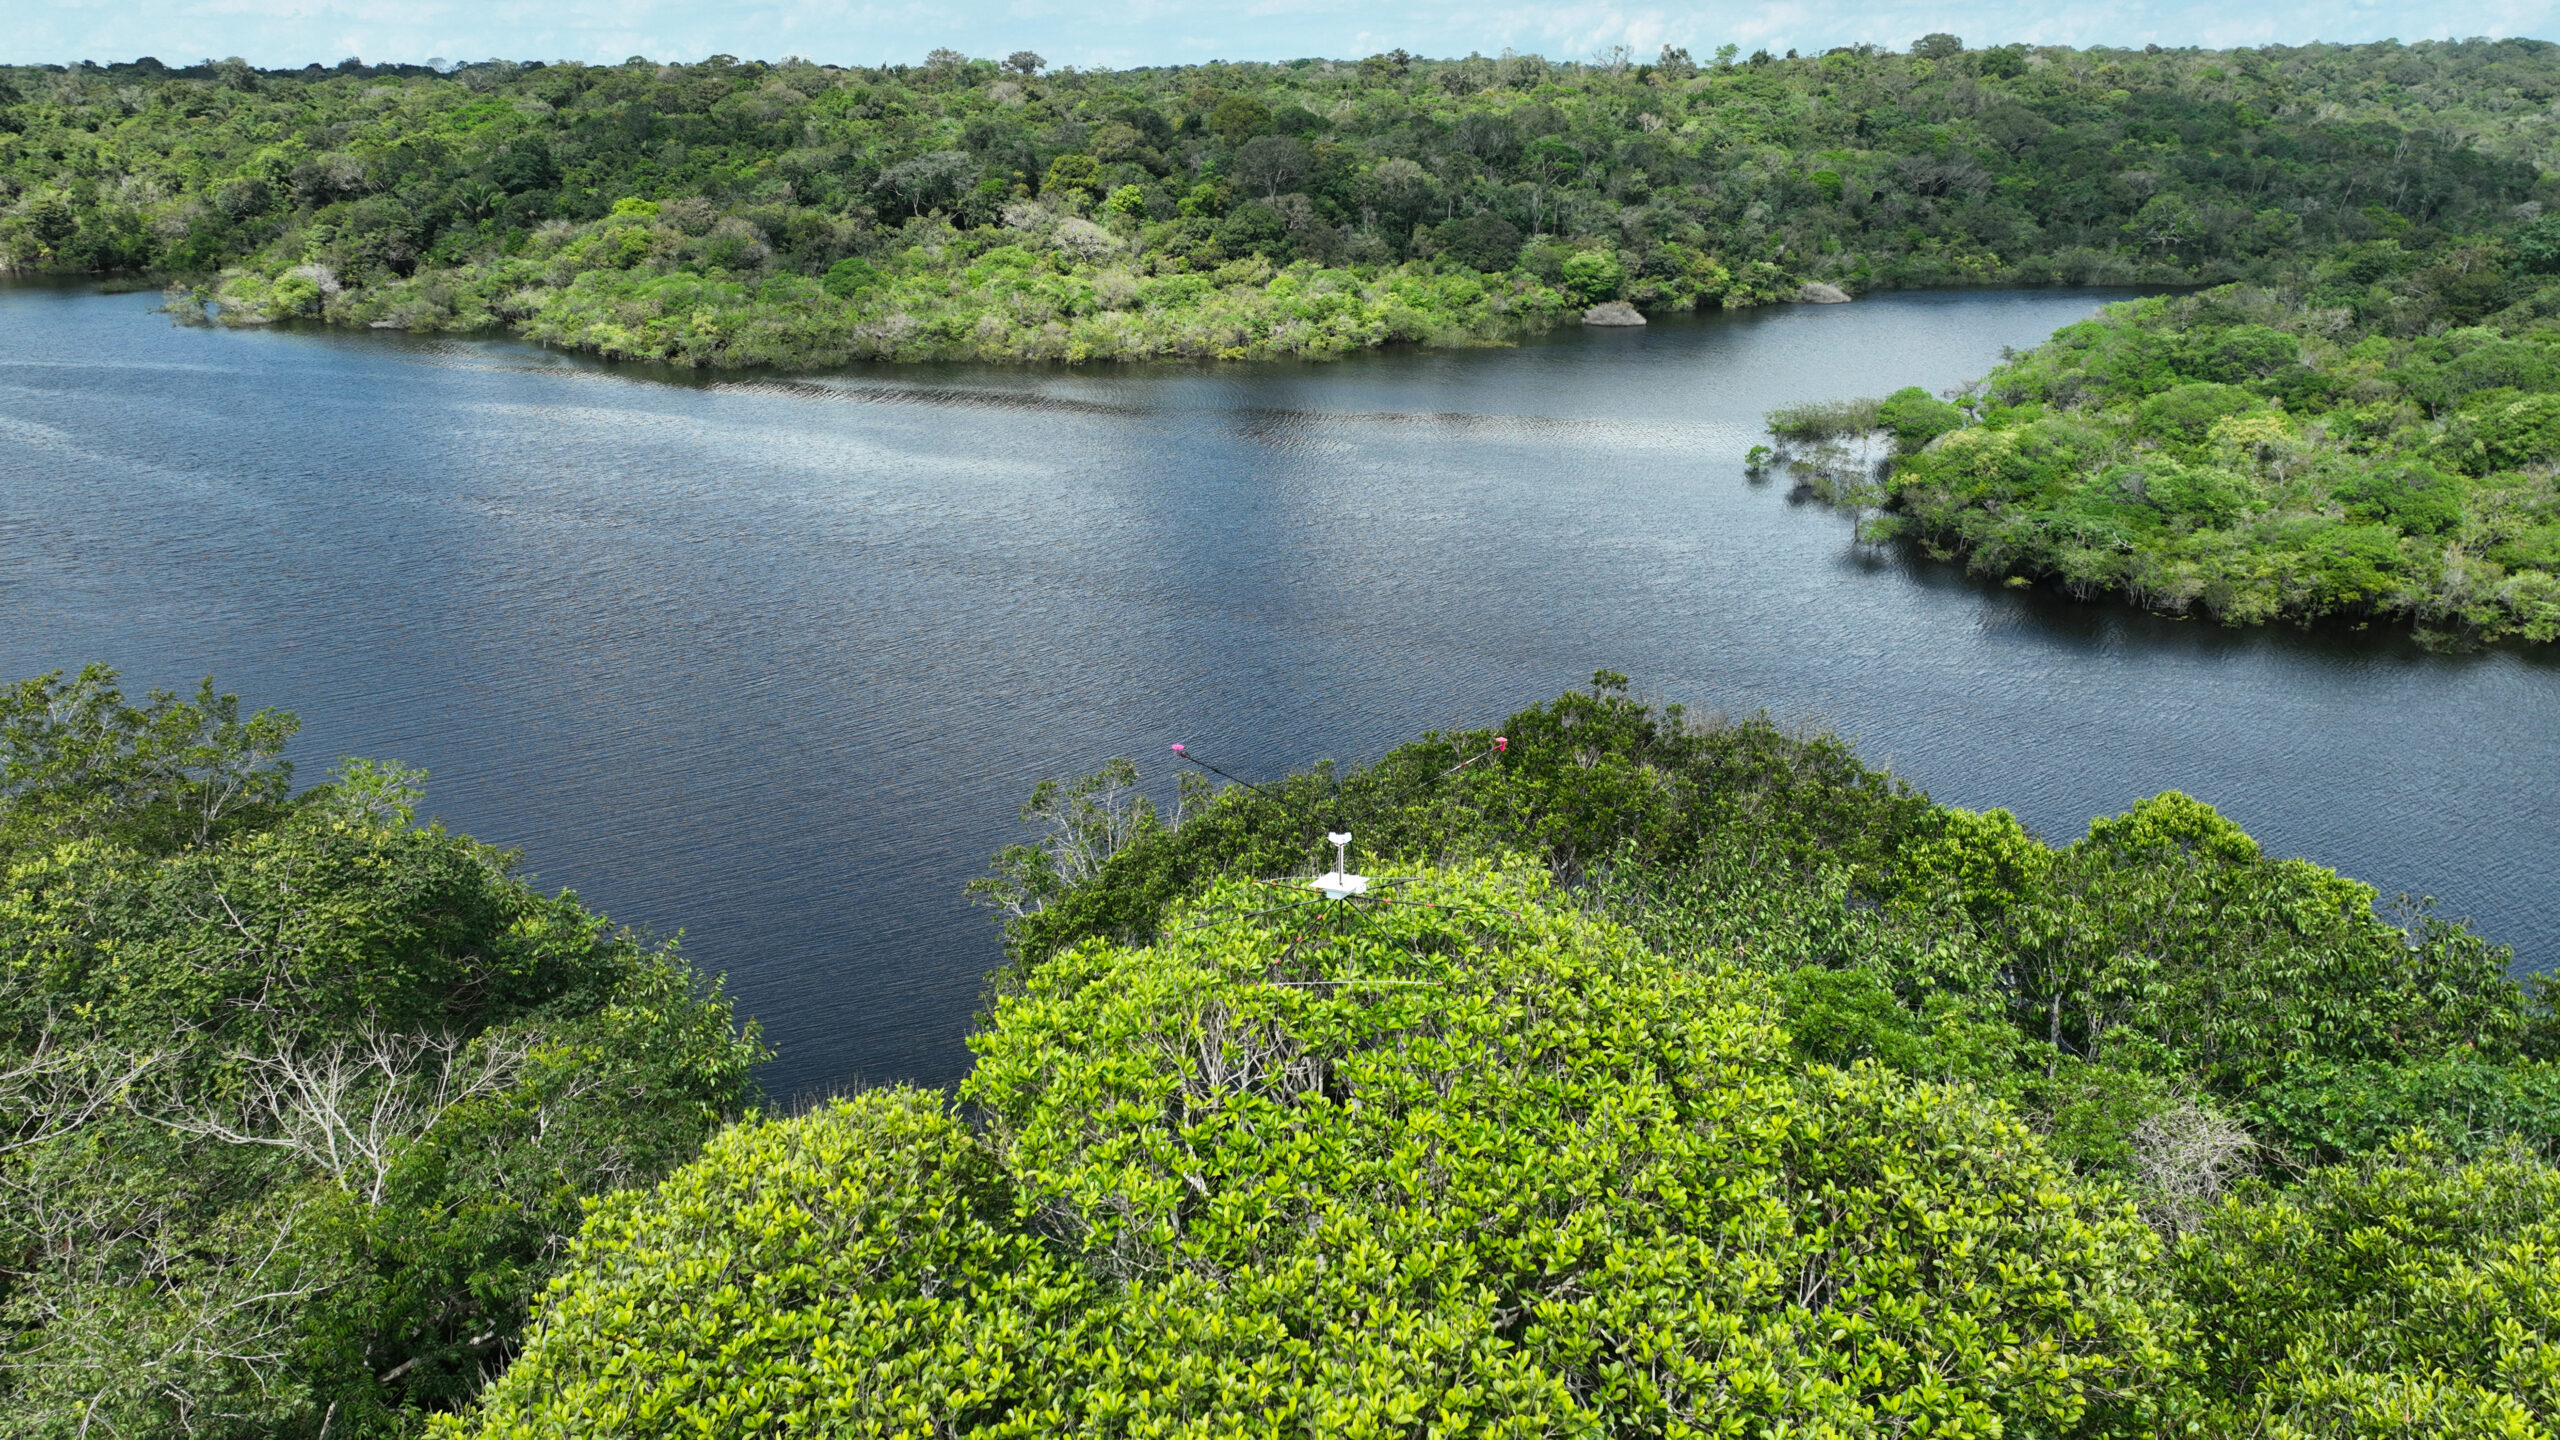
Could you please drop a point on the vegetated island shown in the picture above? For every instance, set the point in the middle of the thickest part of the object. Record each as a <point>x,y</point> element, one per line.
<point>1682,1075</point>
<point>794,214</point>
<point>2382,443</point>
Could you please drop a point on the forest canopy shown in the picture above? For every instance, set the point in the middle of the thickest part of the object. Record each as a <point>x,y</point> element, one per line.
<point>2251,455</point>
<point>729,213</point>
<point>300,1098</point>
<point>1475,1163</point>
<point>1680,1076</point>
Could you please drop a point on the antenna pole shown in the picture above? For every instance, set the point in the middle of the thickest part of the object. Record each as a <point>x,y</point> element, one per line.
<point>1341,882</point>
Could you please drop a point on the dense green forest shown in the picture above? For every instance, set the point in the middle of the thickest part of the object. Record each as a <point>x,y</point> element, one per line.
<point>300,1100</point>
<point>2249,454</point>
<point>1679,1077</point>
<point>727,213</point>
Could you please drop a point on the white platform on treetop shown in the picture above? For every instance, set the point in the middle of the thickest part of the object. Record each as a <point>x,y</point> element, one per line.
<point>1339,883</point>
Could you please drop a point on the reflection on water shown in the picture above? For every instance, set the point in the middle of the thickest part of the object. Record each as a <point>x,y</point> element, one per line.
<point>773,660</point>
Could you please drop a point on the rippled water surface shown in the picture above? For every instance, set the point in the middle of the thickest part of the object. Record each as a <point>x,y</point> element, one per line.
<point>772,662</point>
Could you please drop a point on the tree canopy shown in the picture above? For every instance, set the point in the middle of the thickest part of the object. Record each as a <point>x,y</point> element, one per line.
<point>1681,1076</point>
<point>2326,452</point>
<point>737,213</point>
<point>1466,1162</point>
<point>300,1099</point>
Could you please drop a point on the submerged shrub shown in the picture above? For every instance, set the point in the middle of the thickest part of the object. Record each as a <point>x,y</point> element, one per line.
<point>1826,419</point>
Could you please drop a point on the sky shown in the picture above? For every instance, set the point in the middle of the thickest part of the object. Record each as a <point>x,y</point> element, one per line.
<point>1156,32</point>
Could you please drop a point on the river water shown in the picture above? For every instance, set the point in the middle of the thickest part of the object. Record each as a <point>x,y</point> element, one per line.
<point>772,661</point>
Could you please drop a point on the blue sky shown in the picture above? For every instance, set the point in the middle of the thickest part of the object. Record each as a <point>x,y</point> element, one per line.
<point>1143,32</point>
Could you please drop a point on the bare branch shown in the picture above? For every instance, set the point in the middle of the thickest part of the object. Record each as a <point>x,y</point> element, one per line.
<point>52,1089</point>
<point>350,1108</point>
<point>2185,1157</point>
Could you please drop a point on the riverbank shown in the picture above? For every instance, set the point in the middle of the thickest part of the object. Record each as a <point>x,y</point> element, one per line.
<point>962,295</point>
<point>2248,455</point>
<point>725,215</point>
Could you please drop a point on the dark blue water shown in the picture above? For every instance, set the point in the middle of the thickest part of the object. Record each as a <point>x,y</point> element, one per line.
<point>772,662</point>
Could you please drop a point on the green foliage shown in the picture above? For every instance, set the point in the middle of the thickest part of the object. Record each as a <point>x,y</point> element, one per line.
<point>1085,822</point>
<point>1072,171</point>
<point>2464,1103</point>
<point>2158,956</point>
<point>1468,1162</point>
<point>1239,118</point>
<point>299,1100</point>
<point>2537,246</point>
<point>1593,276</point>
<point>851,276</point>
<point>2405,1295</point>
<point>78,761</point>
<point>1128,202</point>
<point>1801,1105</point>
<point>2496,432</point>
<point>859,1235</point>
<point>2187,414</point>
<point>1483,241</point>
<point>1915,417</point>
<point>687,213</point>
<point>1582,781</point>
<point>2095,986</point>
<point>2257,455</point>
